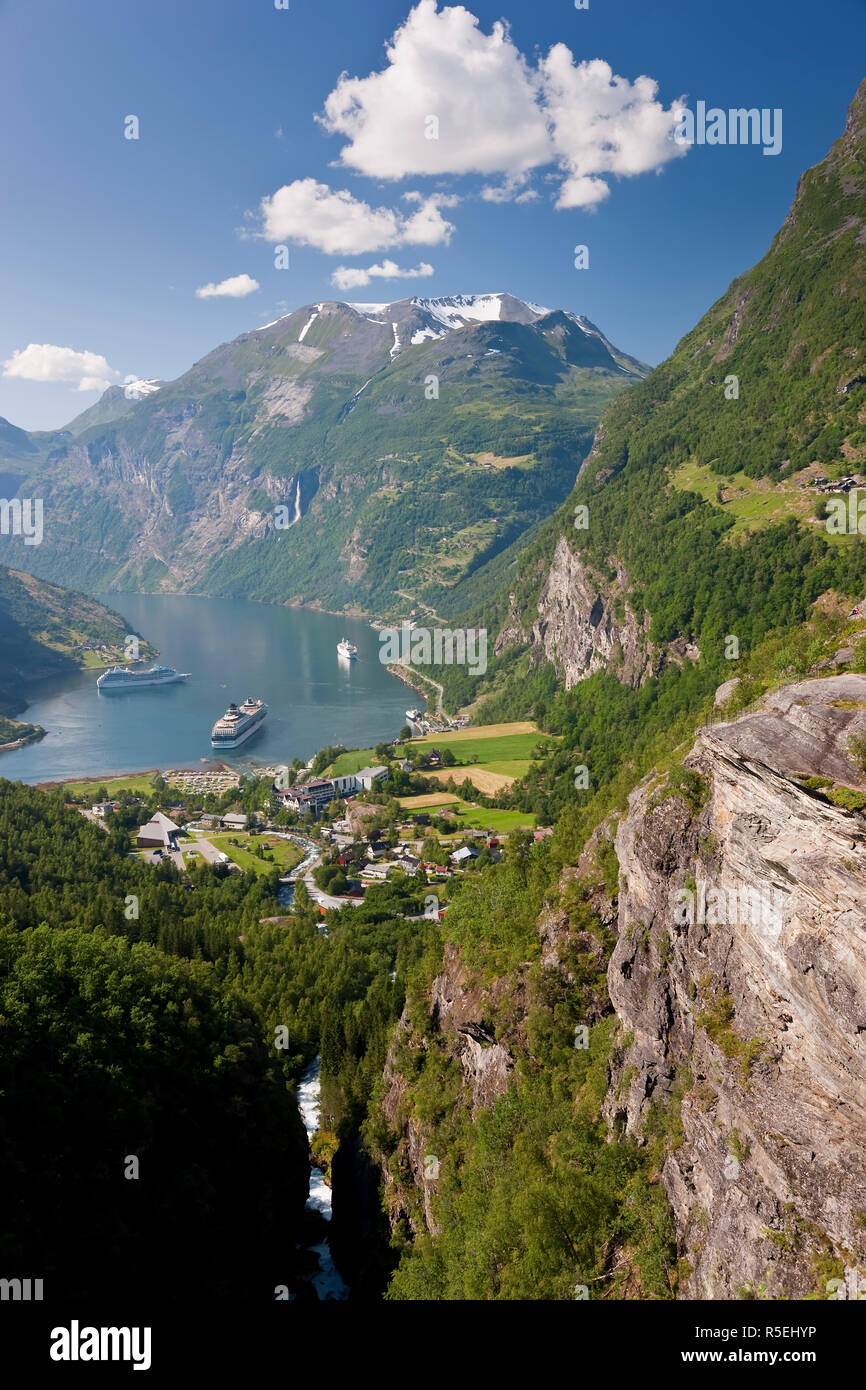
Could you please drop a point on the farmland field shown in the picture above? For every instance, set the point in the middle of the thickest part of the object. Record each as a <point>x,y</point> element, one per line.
<point>140,783</point>
<point>484,778</point>
<point>469,817</point>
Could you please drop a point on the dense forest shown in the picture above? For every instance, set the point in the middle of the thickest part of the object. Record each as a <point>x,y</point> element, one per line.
<point>138,1020</point>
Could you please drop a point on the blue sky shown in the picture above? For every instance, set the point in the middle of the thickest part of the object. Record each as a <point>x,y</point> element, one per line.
<point>105,241</point>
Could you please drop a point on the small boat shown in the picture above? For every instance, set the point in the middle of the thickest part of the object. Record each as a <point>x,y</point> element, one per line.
<point>347,650</point>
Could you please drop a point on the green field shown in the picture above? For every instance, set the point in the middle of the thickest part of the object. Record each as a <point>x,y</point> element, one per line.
<point>501,822</point>
<point>286,855</point>
<point>140,782</point>
<point>353,761</point>
<point>506,750</point>
<point>471,817</point>
<point>511,748</point>
<point>753,503</point>
<point>507,767</point>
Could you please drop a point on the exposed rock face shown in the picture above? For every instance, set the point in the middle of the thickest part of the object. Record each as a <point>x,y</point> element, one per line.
<point>457,1004</point>
<point>513,631</point>
<point>726,692</point>
<point>753,1006</point>
<point>578,629</point>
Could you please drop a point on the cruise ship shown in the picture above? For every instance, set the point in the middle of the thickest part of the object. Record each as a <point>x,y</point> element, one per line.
<point>414,716</point>
<point>347,649</point>
<point>121,678</point>
<point>238,724</point>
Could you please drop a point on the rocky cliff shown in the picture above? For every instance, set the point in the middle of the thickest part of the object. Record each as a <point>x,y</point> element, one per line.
<point>585,623</point>
<point>737,973</point>
<point>739,978</point>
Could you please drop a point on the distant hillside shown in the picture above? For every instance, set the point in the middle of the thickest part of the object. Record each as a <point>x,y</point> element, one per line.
<point>409,444</point>
<point>114,403</point>
<point>46,631</point>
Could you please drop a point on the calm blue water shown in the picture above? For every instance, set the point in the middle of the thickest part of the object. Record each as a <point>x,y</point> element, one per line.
<point>284,656</point>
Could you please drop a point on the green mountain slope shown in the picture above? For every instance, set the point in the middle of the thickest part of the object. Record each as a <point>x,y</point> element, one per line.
<point>47,631</point>
<point>408,444</point>
<point>704,520</point>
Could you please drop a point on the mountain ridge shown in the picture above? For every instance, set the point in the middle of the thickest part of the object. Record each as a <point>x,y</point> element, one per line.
<point>369,428</point>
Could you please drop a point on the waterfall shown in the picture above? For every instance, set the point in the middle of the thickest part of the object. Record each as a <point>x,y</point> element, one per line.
<point>297,515</point>
<point>327,1282</point>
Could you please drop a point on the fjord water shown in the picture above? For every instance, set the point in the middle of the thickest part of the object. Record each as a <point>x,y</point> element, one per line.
<point>233,649</point>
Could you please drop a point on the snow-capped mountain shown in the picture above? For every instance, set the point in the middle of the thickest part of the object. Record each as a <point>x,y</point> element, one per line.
<point>414,322</point>
<point>413,442</point>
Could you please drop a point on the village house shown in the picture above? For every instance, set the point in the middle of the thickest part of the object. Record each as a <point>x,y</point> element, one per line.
<point>159,833</point>
<point>462,856</point>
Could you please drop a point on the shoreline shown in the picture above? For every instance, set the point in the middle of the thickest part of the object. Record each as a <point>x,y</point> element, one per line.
<point>404,674</point>
<point>118,776</point>
<point>35,737</point>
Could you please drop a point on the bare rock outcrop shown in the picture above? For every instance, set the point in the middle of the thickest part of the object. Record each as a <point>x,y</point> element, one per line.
<point>739,976</point>
<point>585,623</point>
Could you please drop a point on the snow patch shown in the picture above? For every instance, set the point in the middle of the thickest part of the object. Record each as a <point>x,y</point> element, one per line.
<point>136,390</point>
<point>582,324</point>
<point>424,333</point>
<point>370,308</point>
<point>397,344</point>
<point>454,311</point>
<point>310,321</point>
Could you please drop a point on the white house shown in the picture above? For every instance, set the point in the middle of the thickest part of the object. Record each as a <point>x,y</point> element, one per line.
<point>461,856</point>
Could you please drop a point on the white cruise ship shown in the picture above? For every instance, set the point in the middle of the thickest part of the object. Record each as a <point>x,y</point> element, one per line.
<point>347,649</point>
<point>414,716</point>
<point>238,724</point>
<point>121,678</point>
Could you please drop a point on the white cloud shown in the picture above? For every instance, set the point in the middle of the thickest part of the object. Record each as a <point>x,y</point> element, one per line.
<point>89,371</point>
<point>352,277</point>
<point>235,287</point>
<point>497,113</point>
<point>335,221</point>
<point>478,86</point>
<point>602,124</point>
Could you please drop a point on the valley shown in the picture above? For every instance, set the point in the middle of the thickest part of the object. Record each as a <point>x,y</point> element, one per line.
<point>558,994</point>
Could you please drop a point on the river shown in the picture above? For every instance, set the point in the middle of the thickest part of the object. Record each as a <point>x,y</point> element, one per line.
<point>327,1282</point>
<point>232,648</point>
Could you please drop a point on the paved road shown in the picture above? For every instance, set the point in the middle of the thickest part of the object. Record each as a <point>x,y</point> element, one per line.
<point>207,850</point>
<point>304,871</point>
